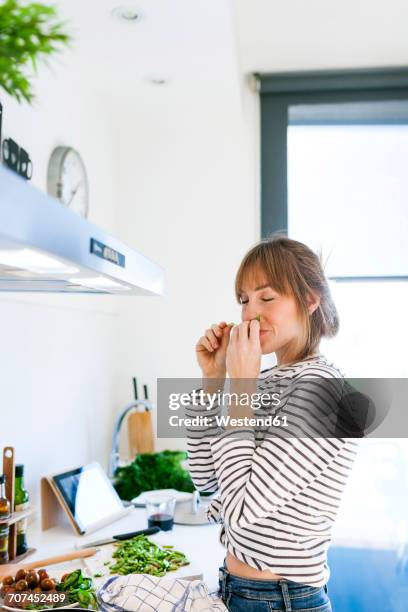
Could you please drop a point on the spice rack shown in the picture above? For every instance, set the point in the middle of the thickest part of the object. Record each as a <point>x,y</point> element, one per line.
<point>9,472</point>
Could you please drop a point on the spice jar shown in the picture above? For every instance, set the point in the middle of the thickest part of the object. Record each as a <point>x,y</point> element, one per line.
<point>4,542</point>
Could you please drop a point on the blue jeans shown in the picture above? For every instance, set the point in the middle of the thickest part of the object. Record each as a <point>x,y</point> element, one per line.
<point>248,595</point>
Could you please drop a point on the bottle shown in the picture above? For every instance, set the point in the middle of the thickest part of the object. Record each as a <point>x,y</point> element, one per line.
<point>4,502</point>
<point>21,502</point>
<point>4,543</point>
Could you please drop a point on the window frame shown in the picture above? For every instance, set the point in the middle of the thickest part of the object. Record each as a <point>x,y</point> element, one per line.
<point>278,92</point>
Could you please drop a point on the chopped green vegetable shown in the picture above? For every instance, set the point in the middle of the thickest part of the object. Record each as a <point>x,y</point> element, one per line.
<point>151,471</point>
<point>139,555</point>
<point>258,318</point>
<point>106,562</point>
<point>98,574</point>
<point>79,589</point>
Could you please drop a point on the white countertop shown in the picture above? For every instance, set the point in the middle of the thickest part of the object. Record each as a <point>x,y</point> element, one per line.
<point>198,542</point>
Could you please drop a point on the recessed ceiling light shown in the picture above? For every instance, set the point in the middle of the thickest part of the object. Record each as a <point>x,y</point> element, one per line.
<point>156,79</point>
<point>129,14</point>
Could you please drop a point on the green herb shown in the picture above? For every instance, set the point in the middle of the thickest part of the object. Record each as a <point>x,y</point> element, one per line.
<point>258,318</point>
<point>151,471</point>
<point>140,555</point>
<point>28,32</point>
<point>98,574</point>
<point>79,589</point>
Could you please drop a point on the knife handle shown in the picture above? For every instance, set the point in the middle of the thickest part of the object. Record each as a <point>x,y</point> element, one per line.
<point>133,534</point>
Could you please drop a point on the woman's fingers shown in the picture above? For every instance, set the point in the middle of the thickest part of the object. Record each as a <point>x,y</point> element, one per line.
<point>210,335</point>
<point>214,337</point>
<point>226,335</point>
<point>215,334</point>
<point>234,333</point>
<point>253,328</point>
<point>246,331</point>
<point>241,332</point>
<point>205,343</point>
<point>218,329</point>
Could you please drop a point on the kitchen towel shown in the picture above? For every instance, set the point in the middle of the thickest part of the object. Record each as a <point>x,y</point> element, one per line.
<point>145,593</point>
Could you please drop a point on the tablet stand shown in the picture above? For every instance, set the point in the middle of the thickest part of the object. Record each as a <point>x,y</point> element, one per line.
<point>53,506</point>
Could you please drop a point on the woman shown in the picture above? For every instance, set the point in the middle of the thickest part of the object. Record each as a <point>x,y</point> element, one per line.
<point>278,494</point>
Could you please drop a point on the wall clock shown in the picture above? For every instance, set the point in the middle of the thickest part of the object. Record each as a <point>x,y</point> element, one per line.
<point>67,180</point>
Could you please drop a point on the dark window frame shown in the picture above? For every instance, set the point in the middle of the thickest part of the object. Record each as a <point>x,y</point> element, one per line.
<point>280,91</point>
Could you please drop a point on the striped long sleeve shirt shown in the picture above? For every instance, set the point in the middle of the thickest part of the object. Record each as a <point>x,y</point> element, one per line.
<point>277,497</point>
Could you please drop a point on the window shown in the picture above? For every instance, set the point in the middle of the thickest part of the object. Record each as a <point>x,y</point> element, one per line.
<point>334,151</point>
<point>334,176</point>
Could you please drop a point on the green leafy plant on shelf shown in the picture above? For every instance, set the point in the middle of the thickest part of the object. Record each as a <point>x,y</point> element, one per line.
<point>28,32</point>
<point>151,471</point>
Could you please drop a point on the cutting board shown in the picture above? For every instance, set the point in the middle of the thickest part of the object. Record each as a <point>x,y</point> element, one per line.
<point>140,433</point>
<point>96,564</point>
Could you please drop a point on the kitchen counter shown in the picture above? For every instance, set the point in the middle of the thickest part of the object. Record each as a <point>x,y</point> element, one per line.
<point>199,543</point>
<point>365,569</point>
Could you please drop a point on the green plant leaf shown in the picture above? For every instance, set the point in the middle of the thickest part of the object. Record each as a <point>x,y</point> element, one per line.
<point>151,471</point>
<point>28,33</point>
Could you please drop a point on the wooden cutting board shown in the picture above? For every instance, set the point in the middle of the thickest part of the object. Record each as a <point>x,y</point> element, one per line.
<point>96,563</point>
<point>140,433</point>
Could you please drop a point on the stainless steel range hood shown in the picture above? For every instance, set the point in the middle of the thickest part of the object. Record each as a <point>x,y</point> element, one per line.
<point>45,247</point>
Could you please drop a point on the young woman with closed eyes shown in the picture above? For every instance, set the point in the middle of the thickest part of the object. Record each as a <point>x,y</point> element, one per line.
<point>276,497</point>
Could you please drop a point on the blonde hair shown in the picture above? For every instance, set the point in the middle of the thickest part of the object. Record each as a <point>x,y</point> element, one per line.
<point>293,269</point>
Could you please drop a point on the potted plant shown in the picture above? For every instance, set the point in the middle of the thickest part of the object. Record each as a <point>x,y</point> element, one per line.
<point>28,32</point>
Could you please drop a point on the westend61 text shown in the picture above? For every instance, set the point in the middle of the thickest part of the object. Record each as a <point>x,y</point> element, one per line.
<point>227,420</point>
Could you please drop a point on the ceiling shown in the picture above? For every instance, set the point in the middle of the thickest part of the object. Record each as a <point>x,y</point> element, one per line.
<point>207,45</point>
<point>188,43</point>
<point>291,35</point>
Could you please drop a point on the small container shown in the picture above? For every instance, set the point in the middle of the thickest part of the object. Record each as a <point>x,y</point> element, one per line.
<point>4,543</point>
<point>5,509</point>
<point>160,510</point>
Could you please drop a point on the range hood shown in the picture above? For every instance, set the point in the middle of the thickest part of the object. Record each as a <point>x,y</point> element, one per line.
<point>45,247</point>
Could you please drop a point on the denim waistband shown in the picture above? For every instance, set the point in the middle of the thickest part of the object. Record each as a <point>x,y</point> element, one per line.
<point>279,589</point>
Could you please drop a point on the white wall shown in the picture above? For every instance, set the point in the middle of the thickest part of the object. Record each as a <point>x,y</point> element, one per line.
<point>188,201</point>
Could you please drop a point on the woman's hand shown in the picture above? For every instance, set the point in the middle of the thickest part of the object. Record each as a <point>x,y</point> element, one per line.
<point>211,350</point>
<point>243,357</point>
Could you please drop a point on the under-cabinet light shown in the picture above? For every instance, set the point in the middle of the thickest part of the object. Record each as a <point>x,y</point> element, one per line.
<point>28,259</point>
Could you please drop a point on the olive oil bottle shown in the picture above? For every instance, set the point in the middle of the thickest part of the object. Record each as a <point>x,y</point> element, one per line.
<point>21,502</point>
